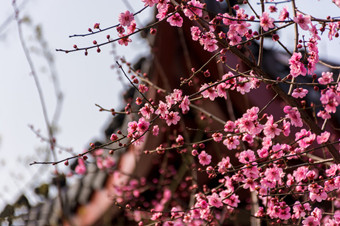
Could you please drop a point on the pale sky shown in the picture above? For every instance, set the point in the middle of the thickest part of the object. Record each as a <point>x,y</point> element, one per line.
<point>84,81</point>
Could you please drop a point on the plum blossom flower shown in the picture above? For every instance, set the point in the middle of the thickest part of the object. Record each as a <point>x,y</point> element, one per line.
<point>248,138</point>
<point>294,115</point>
<point>142,125</point>
<point>215,200</point>
<point>229,126</point>
<point>251,172</point>
<point>304,138</point>
<point>310,221</point>
<point>286,128</point>
<point>124,40</point>
<point>162,10</point>
<point>296,67</point>
<point>241,28</point>
<point>195,33</point>
<point>223,165</point>
<point>176,95</point>
<point>150,3</point>
<point>336,2</point>
<point>132,127</point>
<point>204,158</point>
<point>333,28</point>
<point>331,99</point>
<point>284,14</point>
<point>113,137</point>
<point>266,22</point>
<point>209,42</point>
<point>185,104</point>
<point>162,109</point>
<point>323,137</point>
<point>324,114</point>
<point>143,88</point>
<point>250,183</point>
<point>155,130</point>
<point>132,27</point>
<point>175,20</point>
<point>326,78</point>
<point>193,8</point>
<point>243,85</point>
<point>302,20</point>
<point>270,128</point>
<point>208,92</point>
<point>300,210</point>
<point>126,18</point>
<point>252,113</point>
<point>316,192</point>
<point>80,168</point>
<point>274,174</point>
<point>180,140</point>
<point>299,93</point>
<point>234,38</point>
<point>246,156</point>
<point>222,90</point>
<point>217,137</point>
<point>333,170</point>
<point>231,142</point>
<point>146,111</point>
<point>300,173</point>
<point>233,200</point>
<point>172,118</point>
<point>263,152</point>
<point>317,214</point>
<point>284,211</point>
<point>313,55</point>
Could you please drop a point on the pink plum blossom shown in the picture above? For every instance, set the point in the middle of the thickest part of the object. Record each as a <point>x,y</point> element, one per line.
<point>246,156</point>
<point>323,137</point>
<point>208,92</point>
<point>294,115</point>
<point>296,67</point>
<point>300,173</point>
<point>126,18</point>
<point>193,8</point>
<point>266,22</point>
<point>146,111</point>
<point>302,20</point>
<point>204,158</point>
<point>80,168</point>
<point>284,14</point>
<point>155,130</point>
<point>231,142</point>
<point>217,137</point>
<point>175,20</point>
<point>172,118</point>
<point>162,109</point>
<point>185,104</point>
<point>215,200</point>
<point>327,77</point>
<point>299,93</point>
<point>270,128</point>
<point>336,2</point>
<point>150,3</point>
<point>195,33</point>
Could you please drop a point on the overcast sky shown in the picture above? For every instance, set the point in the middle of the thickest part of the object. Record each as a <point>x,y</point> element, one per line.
<point>84,82</point>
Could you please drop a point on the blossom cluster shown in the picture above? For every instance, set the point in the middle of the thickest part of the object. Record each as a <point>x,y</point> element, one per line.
<point>275,163</point>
